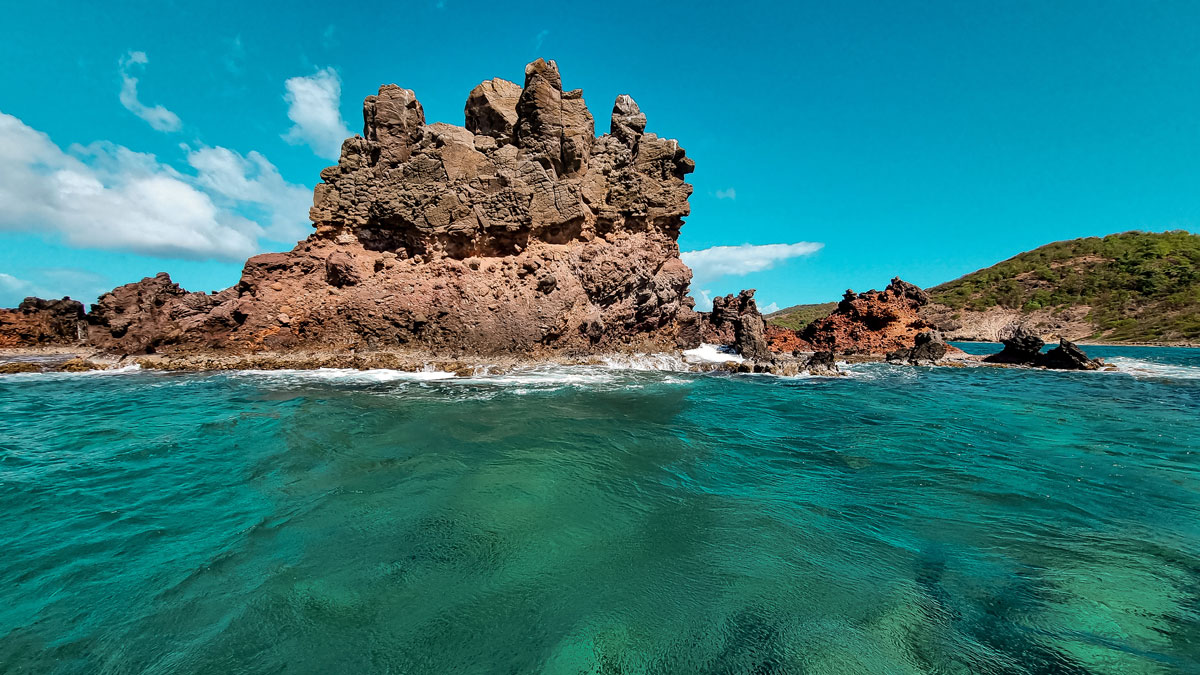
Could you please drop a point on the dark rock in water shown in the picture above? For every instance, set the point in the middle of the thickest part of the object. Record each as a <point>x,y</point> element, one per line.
<point>822,363</point>
<point>736,321</point>
<point>930,348</point>
<point>1068,356</point>
<point>1024,347</point>
<point>38,322</point>
<point>1021,347</point>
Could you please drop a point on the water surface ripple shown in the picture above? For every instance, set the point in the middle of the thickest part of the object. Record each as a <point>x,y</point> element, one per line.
<point>602,520</point>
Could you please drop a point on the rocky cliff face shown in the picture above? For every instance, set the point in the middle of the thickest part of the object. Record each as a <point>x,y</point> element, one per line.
<point>520,231</point>
<point>37,322</point>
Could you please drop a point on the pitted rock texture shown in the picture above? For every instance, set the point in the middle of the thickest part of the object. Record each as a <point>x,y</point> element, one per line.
<point>37,322</point>
<point>521,231</point>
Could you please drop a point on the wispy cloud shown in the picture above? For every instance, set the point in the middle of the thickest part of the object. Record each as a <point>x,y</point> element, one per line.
<point>541,38</point>
<point>711,264</point>
<point>769,309</point>
<point>727,194</point>
<point>53,282</point>
<point>234,181</point>
<point>235,55</point>
<point>313,108</point>
<point>719,261</point>
<point>107,196</point>
<point>14,290</point>
<point>329,38</point>
<point>156,116</point>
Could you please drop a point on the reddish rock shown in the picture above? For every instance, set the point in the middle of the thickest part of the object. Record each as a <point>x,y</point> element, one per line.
<point>874,323</point>
<point>458,239</point>
<point>37,322</point>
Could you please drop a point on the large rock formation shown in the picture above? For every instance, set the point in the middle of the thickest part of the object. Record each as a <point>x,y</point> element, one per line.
<point>38,322</point>
<point>521,231</point>
<point>874,323</point>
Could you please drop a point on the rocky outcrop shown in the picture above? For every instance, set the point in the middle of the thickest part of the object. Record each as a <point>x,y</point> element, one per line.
<point>928,348</point>
<point>37,322</point>
<point>736,322</point>
<point>1023,347</point>
<point>519,232</point>
<point>1068,356</point>
<point>872,323</point>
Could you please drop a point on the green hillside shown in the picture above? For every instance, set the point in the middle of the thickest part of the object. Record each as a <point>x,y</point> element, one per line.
<point>797,317</point>
<point>1139,285</point>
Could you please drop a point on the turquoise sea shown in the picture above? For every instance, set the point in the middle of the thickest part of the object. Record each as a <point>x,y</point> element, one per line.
<point>604,520</point>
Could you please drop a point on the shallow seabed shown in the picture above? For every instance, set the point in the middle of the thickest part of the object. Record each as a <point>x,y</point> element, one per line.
<point>604,520</point>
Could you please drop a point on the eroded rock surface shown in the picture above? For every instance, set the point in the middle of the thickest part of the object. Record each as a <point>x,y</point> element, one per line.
<point>37,322</point>
<point>520,231</point>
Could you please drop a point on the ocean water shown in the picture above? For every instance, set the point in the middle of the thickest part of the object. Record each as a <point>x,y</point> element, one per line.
<point>604,520</point>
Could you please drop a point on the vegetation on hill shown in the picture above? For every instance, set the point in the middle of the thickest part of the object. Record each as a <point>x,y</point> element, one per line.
<point>797,317</point>
<point>1139,285</point>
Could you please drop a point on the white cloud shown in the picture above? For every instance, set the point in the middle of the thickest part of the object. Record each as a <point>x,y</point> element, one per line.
<point>541,38</point>
<point>53,282</point>
<point>157,116</point>
<point>107,196</point>
<point>313,107</point>
<point>14,290</point>
<point>769,309</point>
<point>718,261</point>
<point>727,194</point>
<point>253,181</point>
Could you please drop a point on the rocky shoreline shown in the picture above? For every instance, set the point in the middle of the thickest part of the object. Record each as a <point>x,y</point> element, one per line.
<point>518,238</point>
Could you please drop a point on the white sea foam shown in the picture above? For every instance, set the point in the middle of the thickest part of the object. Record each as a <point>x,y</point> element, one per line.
<point>1143,369</point>
<point>349,375</point>
<point>707,353</point>
<point>651,362</point>
<point>123,370</point>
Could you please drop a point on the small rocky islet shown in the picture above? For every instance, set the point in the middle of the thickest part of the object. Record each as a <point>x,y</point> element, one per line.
<point>520,235</point>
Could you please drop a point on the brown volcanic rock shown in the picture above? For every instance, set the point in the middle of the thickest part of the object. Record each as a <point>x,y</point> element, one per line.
<point>460,239</point>
<point>38,322</point>
<point>139,317</point>
<point>875,323</point>
<point>736,321</point>
<point>491,109</point>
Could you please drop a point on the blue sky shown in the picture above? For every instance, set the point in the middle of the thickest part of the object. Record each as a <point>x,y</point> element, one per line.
<point>924,140</point>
